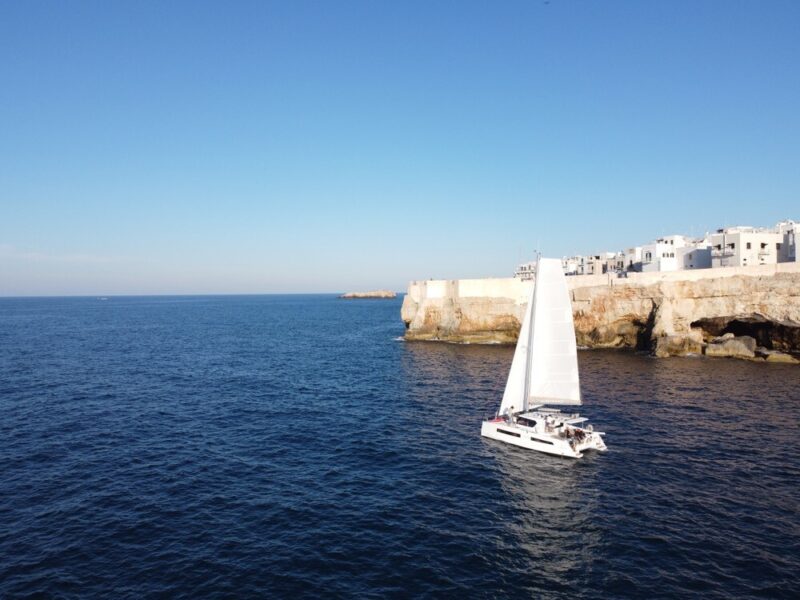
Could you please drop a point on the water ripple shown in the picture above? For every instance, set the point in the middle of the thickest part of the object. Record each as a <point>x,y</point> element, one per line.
<point>263,446</point>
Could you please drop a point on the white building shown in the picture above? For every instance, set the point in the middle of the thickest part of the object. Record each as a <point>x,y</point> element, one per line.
<point>594,264</point>
<point>631,259</point>
<point>526,271</point>
<point>745,246</point>
<point>728,247</point>
<point>610,260</point>
<point>676,253</point>
<point>571,265</point>
<point>790,231</point>
<point>696,256</point>
<point>661,255</point>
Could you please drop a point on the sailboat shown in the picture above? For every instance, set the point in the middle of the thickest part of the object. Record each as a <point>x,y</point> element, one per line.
<point>545,371</point>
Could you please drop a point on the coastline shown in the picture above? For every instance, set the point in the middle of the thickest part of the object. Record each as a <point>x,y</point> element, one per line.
<point>667,314</point>
<point>372,295</point>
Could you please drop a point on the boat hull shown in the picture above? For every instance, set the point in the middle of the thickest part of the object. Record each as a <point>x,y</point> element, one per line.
<point>524,437</point>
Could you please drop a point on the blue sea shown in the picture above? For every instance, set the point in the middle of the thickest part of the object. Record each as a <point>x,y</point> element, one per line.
<point>295,446</point>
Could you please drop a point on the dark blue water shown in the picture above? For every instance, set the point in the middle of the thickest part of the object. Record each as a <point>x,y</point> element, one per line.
<point>292,446</point>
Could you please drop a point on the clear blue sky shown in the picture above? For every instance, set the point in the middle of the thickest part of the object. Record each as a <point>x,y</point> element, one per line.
<point>168,147</point>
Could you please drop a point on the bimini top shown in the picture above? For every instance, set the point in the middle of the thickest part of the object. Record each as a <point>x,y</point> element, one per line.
<point>531,416</point>
<point>538,414</point>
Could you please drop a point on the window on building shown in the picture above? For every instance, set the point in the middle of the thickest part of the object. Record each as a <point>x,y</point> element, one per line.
<point>718,246</point>
<point>763,245</point>
<point>748,245</point>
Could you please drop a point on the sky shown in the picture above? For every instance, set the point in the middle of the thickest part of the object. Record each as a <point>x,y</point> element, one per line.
<point>295,146</point>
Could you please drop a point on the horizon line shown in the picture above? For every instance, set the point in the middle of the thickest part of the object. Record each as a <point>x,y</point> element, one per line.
<point>165,295</point>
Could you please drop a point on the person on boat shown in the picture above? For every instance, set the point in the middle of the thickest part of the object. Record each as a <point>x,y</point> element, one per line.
<point>510,415</point>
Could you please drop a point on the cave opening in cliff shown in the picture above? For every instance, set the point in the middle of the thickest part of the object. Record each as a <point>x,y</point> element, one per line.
<point>644,335</point>
<point>769,333</point>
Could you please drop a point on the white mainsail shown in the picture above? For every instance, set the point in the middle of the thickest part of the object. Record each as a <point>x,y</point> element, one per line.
<point>515,386</point>
<point>546,360</point>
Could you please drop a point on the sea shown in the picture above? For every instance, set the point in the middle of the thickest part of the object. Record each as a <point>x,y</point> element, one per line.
<point>295,446</point>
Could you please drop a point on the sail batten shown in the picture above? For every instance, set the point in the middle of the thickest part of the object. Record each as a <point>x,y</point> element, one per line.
<point>545,364</point>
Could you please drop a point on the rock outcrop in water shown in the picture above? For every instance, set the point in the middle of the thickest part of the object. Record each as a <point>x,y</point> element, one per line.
<point>732,346</point>
<point>751,312</point>
<point>377,294</point>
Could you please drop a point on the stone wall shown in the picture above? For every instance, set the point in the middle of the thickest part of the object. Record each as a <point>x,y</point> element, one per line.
<point>667,313</point>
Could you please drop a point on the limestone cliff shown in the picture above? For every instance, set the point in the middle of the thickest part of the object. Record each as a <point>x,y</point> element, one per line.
<point>666,313</point>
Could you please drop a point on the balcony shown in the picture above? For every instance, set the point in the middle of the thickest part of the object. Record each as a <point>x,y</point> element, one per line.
<point>723,252</point>
<point>764,252</point>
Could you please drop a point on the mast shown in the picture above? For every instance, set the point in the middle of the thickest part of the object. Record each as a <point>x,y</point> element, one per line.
<point>529,358</point>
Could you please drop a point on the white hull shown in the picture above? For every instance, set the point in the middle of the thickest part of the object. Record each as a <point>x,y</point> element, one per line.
<point>536,438</point>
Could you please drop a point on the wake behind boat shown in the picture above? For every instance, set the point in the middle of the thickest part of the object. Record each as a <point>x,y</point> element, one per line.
<point>545,371</point>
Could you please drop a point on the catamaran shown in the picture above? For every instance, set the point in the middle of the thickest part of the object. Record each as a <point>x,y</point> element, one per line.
<point>545,371</point>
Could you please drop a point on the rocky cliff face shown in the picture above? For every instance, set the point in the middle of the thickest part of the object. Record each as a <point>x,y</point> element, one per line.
<point>667,317</point>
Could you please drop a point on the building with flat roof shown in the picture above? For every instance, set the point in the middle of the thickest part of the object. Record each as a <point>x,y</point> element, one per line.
<point>526,271</point>
<point>743,246</point>
<point>631,259</point>
<point>663,254</point>
<point>739,246</point>
<point>788,251</point>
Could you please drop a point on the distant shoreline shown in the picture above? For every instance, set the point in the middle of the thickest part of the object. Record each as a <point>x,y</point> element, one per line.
<point>373,295</point>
